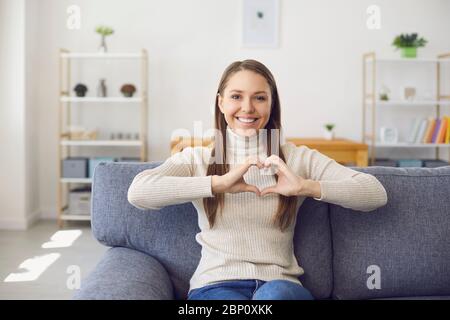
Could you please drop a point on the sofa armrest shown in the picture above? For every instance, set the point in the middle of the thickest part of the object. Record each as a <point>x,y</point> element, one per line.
<point>126,274</point>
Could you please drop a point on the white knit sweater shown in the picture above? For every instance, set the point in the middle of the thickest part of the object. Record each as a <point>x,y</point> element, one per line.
<point>244,244</point>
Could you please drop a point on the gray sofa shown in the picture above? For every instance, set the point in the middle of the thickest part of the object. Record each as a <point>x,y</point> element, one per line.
<point>405,244</point>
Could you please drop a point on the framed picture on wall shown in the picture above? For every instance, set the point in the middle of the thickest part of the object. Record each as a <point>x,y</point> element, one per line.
<point>260,23</point>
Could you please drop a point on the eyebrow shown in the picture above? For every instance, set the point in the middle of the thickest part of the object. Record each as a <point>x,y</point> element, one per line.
<point>235,90</point>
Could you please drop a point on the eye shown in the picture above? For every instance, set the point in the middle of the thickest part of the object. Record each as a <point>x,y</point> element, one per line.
<point>261,98</point>
<point>235,96</point>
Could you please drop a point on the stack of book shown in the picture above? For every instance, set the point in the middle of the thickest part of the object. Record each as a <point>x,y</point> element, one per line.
<point>430,130</point>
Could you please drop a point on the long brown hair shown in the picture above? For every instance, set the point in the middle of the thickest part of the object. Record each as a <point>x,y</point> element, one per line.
<point>286,205</point>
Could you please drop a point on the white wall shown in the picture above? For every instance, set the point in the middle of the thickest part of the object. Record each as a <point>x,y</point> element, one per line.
<point>317,66</point>
<point>32,108</point>
<point>19,184</point>
<point>12,115</point>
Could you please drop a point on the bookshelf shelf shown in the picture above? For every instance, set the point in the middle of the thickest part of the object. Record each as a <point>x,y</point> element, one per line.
<point>95,55</point>
<point>371,104</point>
<point>411,145</point>
<point>101,100</point>
<point>78,217</point>
<point>431,103</point>
<point>406,60</point>
<point>76,180</point>
<point>104,143</point>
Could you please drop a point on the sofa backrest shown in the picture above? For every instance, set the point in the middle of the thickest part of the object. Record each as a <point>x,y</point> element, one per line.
<point>404,247</point>
<point>169,234</point>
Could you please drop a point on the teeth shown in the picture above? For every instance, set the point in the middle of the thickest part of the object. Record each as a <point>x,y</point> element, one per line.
<point>246,120</point>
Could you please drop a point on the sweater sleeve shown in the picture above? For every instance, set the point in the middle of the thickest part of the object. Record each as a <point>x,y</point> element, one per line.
<point>339,185</point>
<point>173,182</point>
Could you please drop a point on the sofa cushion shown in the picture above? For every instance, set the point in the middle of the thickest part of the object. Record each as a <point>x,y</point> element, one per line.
<point>408,239</point>
<point>126,274</point>
<point>312,247</point>
<point>169,234</point>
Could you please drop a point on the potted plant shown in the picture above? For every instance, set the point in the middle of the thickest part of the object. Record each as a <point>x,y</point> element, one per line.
<point>329,132</point>
<point>409,43</point>
<point>384,93</point>
<point>128,90</point>
<point>104,31</point>
<point>80,90</point>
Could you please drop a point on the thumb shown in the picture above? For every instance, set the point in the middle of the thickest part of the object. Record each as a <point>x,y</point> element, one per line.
<point>268,190</point>
<point>250,188</point>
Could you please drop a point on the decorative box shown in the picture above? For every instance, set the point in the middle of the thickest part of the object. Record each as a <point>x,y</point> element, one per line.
<point>409,163</point>
<point>75,167</point>
<point>80,201</point>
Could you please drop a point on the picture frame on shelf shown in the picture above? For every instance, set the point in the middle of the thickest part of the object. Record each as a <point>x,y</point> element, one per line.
<point>388,135</point>
<point>409,93</point>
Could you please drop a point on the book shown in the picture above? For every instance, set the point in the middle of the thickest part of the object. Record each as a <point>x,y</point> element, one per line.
<point>429,130</point>
<point>442,131</point>
<point>421,132</point>
<point>436,129</point>
<point>414,130</point>
<point>447,136</point>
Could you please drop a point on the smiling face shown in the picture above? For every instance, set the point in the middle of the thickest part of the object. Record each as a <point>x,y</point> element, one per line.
<point>245,102</point>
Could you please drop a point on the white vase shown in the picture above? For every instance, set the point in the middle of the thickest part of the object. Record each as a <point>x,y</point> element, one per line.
<point>103,48</point>
<point>328,135</point>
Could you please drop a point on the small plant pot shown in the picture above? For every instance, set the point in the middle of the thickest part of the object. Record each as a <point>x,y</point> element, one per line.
<point>128,94</point>
<point>328,135</point>
<point>80,93</point>
<point>409,52</point>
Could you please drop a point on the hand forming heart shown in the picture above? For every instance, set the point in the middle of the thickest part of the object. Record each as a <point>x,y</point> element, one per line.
<point>233,181</point>
<point>288,183</point>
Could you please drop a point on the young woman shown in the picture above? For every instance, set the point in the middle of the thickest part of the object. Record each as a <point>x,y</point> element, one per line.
<point>247,190</point>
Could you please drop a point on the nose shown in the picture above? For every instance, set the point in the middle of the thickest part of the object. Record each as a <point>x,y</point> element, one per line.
<point>247,105</point>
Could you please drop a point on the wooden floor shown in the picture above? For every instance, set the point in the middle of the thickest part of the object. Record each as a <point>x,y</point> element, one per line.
<point>51,264</point>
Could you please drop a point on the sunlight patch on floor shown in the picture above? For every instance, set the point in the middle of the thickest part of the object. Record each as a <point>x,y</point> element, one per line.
<point>34,268</point>
<point>62,239</point>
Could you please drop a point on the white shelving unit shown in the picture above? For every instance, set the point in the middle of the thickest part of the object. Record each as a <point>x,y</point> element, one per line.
<point>371,104</point>
<point>100,55</point>
<point>102,143</point>
<point>431,103</point>
<point>101,100</point>
<point>66,102</point>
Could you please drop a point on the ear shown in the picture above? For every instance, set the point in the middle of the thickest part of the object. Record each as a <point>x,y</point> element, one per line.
<point>220,102</point>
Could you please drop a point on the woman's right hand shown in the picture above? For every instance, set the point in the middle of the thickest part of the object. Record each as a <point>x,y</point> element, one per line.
<point>233,181</point>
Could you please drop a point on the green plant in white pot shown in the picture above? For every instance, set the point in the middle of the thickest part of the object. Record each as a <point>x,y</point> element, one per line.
<point>329,131</point>
<point>104,31</point>
<point>409,43</point>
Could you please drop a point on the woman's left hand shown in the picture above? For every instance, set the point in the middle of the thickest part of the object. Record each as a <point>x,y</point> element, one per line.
<point>288,184</point>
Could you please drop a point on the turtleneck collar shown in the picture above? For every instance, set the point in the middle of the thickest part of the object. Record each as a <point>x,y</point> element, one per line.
<point>240,147</point>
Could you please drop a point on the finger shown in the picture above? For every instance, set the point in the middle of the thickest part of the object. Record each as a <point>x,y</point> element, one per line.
<point>238,172</point>
<point>250,188</point>
<point>272,161</point>
<point>271,168</point>
<point>244,187</point>
<point>260,164</point>
<point>268,190</point>
<point>277,163</point>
